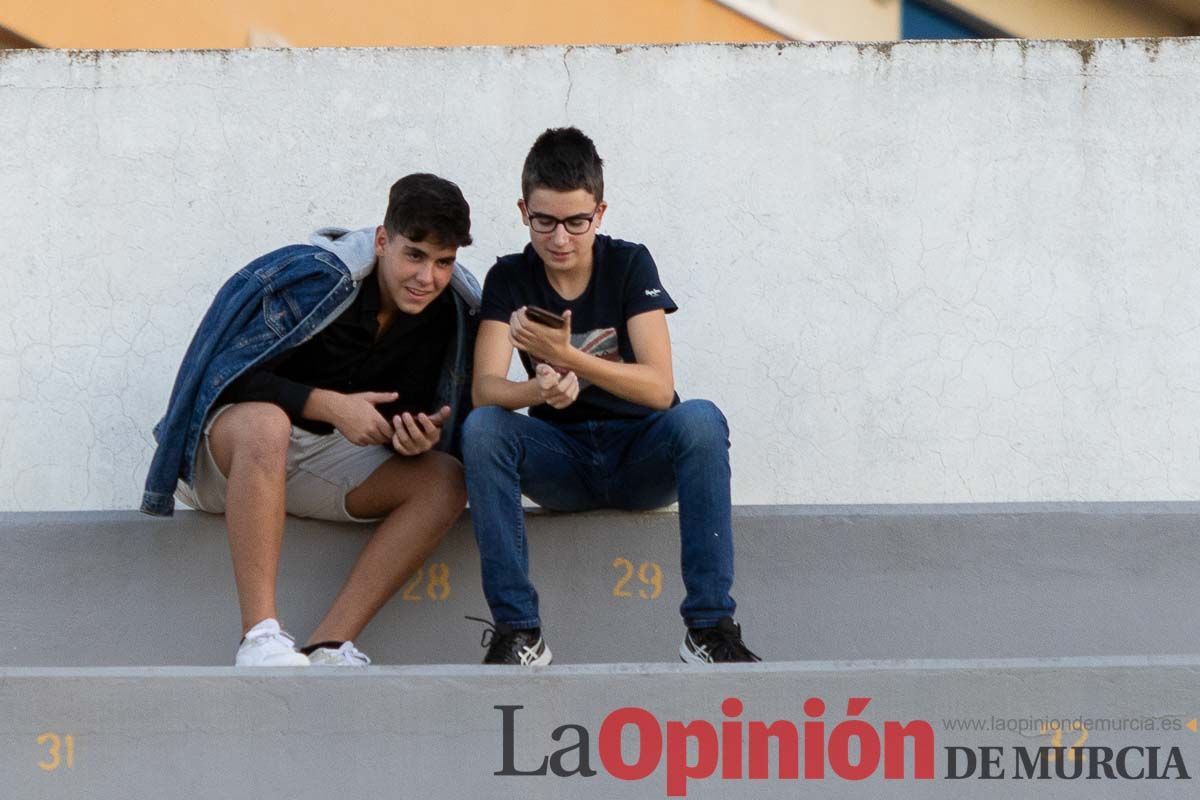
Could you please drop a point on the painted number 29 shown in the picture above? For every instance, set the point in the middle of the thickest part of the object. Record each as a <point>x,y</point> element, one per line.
<point>437,587</point>
<point>649,573</point>
<point>62,750</point>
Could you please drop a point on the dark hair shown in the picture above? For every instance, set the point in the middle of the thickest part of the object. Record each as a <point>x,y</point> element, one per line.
<point>563,159</point>
<point>423,206</point>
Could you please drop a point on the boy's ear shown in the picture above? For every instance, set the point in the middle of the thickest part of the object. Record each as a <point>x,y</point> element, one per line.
<point>381,239</point>
<point>524,212</point>
<point>600,209</point>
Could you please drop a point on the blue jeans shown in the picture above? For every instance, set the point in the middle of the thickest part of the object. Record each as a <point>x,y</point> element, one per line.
<point>634,465</point>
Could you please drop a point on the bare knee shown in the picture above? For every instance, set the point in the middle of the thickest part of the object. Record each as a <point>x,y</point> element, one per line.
<point>251,434</point>
<point>443,487</point>
<point>432,482</point>
<point>448,483</point>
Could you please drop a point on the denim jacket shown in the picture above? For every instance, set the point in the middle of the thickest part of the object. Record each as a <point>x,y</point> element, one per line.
<point>271,305</point>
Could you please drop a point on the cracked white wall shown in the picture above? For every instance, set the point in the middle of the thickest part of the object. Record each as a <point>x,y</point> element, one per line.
<point>931,272</point>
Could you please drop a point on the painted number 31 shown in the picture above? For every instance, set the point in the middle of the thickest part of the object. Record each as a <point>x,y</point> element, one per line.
<point>649,573</point>
<point>62,751</point>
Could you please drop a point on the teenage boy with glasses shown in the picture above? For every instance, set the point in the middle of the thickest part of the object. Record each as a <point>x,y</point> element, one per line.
<point>605,427</point>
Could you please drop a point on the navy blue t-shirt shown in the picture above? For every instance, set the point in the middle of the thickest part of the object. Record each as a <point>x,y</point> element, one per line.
<point>624,284</point>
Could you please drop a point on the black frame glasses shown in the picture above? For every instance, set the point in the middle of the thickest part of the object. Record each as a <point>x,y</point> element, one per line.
<point>577,224</point>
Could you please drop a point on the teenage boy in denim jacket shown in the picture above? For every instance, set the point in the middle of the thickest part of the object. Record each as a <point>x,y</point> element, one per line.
<point>605,428</point>
<point>327,381</point>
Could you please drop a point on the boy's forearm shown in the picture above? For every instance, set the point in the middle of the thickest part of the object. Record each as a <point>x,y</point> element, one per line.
<point>321,406</point>
<point>494,390</point>
<point>637,383</point>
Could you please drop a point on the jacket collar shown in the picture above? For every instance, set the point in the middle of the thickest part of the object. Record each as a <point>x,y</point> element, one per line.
<point>356,249</point>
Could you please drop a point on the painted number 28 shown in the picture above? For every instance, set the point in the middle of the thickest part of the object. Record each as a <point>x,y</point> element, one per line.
<point>649,573</point>
<point>437,587</point>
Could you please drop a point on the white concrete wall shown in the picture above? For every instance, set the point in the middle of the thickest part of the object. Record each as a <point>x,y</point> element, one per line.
<point>921,273</point>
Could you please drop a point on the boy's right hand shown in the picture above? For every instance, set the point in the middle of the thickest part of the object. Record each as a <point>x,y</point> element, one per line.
<point>558,391</point>
<point>357,419</point>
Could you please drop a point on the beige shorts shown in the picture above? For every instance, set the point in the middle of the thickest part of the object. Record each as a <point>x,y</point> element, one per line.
<point>321,471</point>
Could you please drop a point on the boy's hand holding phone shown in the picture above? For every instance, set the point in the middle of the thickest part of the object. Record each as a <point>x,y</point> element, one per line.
<point>543,317</point>
<point>537,332</point>
<point>414,434</point>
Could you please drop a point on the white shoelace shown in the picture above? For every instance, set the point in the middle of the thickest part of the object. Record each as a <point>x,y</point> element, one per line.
<point>271,634</point>
<point>352,655</point>
<point>274,637</point>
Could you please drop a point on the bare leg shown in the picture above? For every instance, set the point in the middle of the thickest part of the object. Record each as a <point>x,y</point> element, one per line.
<point>249,444</point>
<point>422,496</point>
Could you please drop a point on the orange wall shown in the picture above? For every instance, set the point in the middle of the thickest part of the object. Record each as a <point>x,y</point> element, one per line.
<point>1078,19</point>
<point>129,24</point>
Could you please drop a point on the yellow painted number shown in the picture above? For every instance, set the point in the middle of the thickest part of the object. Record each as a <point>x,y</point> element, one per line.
<point>1056,738</point>
<point>56,745</point>
<point>439,581</point>
<point>627,565</point>
<point>649,573</point>
<point>411,586</point>
<point>437,588</point>
<point>654,581</point>
<point>1074,750</point>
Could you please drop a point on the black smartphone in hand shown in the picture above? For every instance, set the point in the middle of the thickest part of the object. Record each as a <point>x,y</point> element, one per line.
<point>543,317</point>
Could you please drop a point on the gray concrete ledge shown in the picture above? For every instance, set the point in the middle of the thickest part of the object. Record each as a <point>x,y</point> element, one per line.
<point>813,583</point>
<point>435,731</point>
<point>420,671</point>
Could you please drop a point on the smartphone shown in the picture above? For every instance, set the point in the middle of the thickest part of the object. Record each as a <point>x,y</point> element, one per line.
<point>543,317</point>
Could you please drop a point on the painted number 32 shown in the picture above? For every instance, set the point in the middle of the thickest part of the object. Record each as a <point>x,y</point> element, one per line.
<point>649,573</point>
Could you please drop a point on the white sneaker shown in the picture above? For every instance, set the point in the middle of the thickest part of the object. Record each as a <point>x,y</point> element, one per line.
<point>345,656</point>
<point>266,645</point>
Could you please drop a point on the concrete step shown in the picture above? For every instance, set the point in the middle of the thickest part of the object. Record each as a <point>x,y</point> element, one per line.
<point>420,732</point>
<point>826,583</point>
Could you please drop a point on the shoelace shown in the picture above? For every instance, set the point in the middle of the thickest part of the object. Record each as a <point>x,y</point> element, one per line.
<point>724,644</point>
<point>266,636</point>
<point>489,634</point>
<point>496,638</point>
<point>354,655</point>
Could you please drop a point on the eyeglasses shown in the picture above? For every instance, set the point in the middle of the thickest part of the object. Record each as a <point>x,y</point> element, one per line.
<point>544,223</point>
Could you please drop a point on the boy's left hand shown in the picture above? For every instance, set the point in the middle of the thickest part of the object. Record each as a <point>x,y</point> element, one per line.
<point>558,391</point>
<point>415,435</point>
<point>540,341</point>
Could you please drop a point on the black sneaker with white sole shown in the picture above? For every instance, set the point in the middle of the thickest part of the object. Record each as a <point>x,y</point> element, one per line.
<point>721,644</point>
<point>505,645</point>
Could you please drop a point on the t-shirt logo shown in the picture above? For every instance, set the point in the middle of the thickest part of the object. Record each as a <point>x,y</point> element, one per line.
<point>601,343</point>
<point>653,292</point>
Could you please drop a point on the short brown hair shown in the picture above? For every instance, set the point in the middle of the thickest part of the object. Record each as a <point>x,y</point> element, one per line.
<point>423,206</point>
<point>563,159</point>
